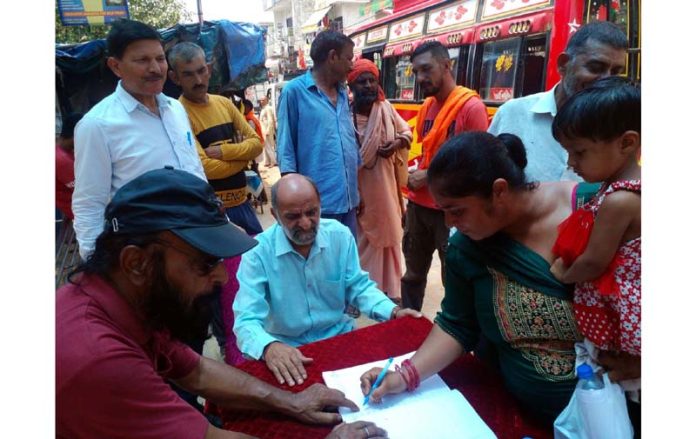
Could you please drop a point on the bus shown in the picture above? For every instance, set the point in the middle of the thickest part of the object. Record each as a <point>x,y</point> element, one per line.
<point>503,49</point>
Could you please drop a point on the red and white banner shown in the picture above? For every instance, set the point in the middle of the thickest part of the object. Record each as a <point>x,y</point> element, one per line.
<point>409,28</point>
<point>457,14</point>
<point>378,34</point>
<point>359,41</point>
<point>498,8</point>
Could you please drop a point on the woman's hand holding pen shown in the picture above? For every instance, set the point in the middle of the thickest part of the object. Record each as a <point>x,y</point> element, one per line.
<point>392,383</point>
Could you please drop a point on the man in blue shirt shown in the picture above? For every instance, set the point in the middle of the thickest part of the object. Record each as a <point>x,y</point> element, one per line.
<point>295,285</point>
<point>316,136</point>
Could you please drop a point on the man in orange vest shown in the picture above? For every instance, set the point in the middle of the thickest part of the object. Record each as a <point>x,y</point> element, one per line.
<point>449,109</point>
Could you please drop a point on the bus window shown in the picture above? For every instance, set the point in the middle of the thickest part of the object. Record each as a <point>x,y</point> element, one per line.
<point>454,60</point>
<point>498,70</point>
<point>533,65</point>
<point>460,66</point>
<point>377,59</point>
<point>615,11</point>
<point>405,79</point>
<point>389,77</point>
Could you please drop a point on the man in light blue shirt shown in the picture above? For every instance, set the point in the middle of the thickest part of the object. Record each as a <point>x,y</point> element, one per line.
<point>316,136</point>
<point>295,285</point>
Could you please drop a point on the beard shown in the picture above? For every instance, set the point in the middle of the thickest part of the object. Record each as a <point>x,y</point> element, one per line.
<point>431,89</point>
<point>299,236</point>
<point>365,99</point>
<point>167,307</point>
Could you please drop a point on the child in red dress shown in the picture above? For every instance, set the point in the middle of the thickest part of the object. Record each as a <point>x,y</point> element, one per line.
<point>598,246</point>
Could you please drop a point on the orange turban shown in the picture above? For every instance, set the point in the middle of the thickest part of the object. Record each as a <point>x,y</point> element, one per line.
<point>364,65</point>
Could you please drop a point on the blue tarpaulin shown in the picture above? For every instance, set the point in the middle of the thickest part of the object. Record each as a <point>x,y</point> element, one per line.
<point>235,50</point>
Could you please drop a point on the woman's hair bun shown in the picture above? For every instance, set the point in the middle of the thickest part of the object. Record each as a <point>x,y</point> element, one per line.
<point>515,149</point>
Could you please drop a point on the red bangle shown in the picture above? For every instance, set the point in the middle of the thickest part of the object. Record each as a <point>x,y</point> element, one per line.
<point>409,377</point>
<point>413,373</point>
<point>403,374</point>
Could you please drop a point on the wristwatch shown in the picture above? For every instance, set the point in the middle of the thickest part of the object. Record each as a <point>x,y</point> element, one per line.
<point>395,310</point>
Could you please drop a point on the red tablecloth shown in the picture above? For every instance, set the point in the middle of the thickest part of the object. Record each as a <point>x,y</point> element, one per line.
<point>481,386</point>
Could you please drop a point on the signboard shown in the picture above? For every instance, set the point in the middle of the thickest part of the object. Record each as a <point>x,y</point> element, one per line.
<point>458,14</point>
<point>409,28</point>
<point>501,94</point>
<point>498,8</point>
<point>359,41</point>
<point>377,34</point>
<point>407,94</point>
<point>91,12</point>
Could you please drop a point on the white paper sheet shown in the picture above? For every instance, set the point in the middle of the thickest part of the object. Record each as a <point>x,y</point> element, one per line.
<point>431,411</point>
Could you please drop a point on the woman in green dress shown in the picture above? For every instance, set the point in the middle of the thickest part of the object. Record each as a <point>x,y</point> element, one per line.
<point>498,288</point>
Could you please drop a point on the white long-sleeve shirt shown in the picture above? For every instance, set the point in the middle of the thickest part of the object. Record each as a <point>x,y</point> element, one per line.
<point>115,142</point>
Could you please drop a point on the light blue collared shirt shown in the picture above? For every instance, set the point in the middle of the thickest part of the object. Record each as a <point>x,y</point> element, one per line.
<point>284,297</point>
<point>318,140</point>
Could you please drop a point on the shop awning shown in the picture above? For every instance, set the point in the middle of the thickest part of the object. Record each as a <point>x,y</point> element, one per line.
<point>312,23</point>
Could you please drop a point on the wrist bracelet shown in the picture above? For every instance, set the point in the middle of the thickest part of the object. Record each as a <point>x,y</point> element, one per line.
<point>395,310</point>
<point>413,374</point>
<point>404,375</point>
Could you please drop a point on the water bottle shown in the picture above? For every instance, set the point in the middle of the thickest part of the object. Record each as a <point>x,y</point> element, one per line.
<point>588,380</point>
<point>595,409</point>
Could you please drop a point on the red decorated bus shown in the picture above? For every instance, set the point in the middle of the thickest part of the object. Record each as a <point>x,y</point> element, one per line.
<point>503,49</point>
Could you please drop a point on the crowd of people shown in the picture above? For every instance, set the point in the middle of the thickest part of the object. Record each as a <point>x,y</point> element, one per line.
<point>535,218</point>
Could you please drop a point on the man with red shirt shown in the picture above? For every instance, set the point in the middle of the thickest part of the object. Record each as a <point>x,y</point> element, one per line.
<point>122,321</point>
<point>448,110</point>
<point>65,165</point>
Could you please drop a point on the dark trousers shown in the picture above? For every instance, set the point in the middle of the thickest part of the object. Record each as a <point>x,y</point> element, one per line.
<point>425,232</point>
<point>348,219</point>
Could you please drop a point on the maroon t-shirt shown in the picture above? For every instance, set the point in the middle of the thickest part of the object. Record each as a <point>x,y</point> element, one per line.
<point>111,371</point>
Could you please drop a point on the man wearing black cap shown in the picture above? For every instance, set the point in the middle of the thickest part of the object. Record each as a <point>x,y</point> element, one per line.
<point>122,320</point>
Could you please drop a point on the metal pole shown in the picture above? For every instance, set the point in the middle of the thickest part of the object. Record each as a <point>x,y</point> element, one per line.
<point>199,3</point>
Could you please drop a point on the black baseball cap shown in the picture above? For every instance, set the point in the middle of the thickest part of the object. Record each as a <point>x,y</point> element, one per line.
<point>177,201</point>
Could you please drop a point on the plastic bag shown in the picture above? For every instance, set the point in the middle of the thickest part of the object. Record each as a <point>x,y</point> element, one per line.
<point>254,183</point>
<point>597,414</point>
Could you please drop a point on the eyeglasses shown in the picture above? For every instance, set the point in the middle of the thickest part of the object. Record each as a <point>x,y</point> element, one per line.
<point>203,262</point>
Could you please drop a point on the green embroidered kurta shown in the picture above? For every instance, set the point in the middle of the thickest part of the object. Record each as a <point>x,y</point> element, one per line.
<point>504,291</point>
<point>499,289</point>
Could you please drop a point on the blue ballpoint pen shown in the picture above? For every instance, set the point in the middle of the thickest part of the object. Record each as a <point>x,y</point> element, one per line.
<point>378,381</point>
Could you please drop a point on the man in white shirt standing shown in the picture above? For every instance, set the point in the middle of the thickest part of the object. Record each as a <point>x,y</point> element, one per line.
<point>268,125</point>
<point>595,51</point>
<point>134,130</point>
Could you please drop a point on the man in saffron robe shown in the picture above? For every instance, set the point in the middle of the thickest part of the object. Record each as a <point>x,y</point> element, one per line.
<point>384,139</point>
<point>448,110</point>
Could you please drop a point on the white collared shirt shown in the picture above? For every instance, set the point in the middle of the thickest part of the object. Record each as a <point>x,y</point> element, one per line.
<point>530,118</point>
<point>115,142</point>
